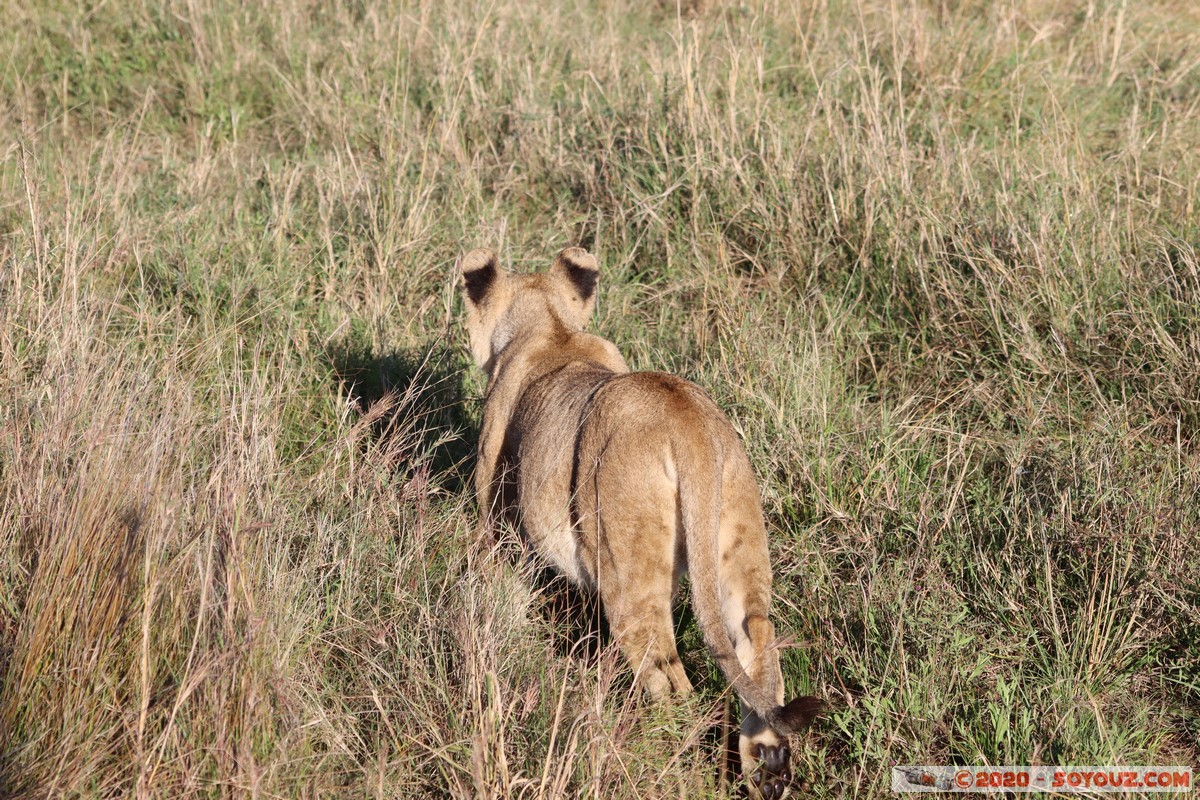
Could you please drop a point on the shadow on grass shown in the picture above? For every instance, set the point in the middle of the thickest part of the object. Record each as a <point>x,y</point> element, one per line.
<point>573,614</point>
<point>418,397</point>
<point>426,404</point>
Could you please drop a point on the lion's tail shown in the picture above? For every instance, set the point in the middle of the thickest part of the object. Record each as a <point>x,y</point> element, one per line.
<point>700,468</point>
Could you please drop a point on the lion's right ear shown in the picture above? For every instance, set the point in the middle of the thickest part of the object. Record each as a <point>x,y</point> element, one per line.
<point>480,271</point>
<point>577,271</point>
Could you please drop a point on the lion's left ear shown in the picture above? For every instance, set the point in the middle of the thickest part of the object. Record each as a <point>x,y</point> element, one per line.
<point>578,273</point>
<point>480,271</point>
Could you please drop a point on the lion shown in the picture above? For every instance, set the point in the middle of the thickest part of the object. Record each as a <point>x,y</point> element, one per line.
<point>622,481</point>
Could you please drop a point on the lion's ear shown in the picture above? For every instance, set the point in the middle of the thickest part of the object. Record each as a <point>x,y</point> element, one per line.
<point>480,269</point>
<point>578,272</point>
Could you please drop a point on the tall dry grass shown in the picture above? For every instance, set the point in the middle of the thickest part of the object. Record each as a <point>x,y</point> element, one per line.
<point>937,260</point>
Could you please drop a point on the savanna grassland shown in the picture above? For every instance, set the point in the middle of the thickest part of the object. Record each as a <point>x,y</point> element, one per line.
<point>939,261</point>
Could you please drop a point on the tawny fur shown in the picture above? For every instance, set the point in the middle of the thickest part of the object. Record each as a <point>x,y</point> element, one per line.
<point>623,481</point>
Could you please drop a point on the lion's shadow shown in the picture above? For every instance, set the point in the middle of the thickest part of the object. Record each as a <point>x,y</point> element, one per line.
<point>417,396</point>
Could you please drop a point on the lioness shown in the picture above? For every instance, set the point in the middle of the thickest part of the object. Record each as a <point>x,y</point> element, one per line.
<point>622,480</point>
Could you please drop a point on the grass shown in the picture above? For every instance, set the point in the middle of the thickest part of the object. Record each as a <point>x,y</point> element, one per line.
<point>939,261</point>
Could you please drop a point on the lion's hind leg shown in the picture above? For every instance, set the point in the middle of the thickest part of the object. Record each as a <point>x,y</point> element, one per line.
<point>637,565</point>
<point>646,637</point>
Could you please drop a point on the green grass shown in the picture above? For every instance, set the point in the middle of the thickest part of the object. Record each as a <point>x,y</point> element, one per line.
<point>940,262</point>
